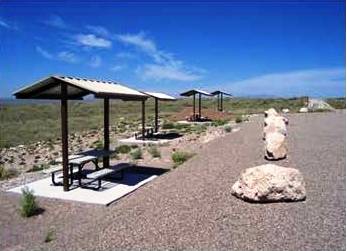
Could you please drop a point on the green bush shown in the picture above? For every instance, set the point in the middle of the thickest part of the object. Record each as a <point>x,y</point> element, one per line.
<point>50,236</point>
<point>123,149</point>
<point>337,103</point>
<point>28,205</point>
<point>219,122</point>
<point>98,144</point>
<point>238,119</point>
<point>37,168</point>
<point>7,173</point>
<point>154,151</point>
<point>136,154</point>
<point>168,125</point>
<point>180,157</point>
<point>227,128</point>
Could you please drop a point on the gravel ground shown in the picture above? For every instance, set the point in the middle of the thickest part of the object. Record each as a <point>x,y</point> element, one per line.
<point>191,207</point>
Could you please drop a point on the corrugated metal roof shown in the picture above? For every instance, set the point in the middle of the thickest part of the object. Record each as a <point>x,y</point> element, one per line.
<point>49,88</point>
<point>218,92</point>
<point>195,91</point>
<point>161,96</point>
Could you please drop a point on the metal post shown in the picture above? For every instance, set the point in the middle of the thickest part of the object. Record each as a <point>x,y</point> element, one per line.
<point>199,105</point>
<point>218,102</point>
<point>143,119</point>
<point>106,159</point>
<point>221,102</point>
<point>194,106</point>
<point>156,115</point>
<point>64,136</point>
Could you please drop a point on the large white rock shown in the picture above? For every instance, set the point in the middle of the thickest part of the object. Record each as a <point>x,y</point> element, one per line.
<point>318,104</point>
<point>275,146</point>
<point>270,183</point>
<point>285,110</point>
<point>275,124</point>
<point>303,109</point>
<point>270,112</point>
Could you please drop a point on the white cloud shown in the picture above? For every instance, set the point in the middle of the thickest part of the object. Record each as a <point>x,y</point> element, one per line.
<point>116,68</point>
<point>91,40</point>
<point>95,61</point>
<point>4,24</point>
<point>125,55</point>
<point>139,40</point>
<point>56,21</point>
<point>165,66</point>
<point>99,30</point>
<point>44,53</point>
<point>313,82</point>
<point>7,25</point>
<point>64,56</point>
<point>68,57</point>
<point>161,72</point>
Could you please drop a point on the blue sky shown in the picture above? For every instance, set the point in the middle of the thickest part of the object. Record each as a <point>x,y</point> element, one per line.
<point>282,48</point>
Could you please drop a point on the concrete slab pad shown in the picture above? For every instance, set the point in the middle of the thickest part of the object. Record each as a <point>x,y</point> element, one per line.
<point>185,122</point>
<point>110,191</point>
<point>135,141</point>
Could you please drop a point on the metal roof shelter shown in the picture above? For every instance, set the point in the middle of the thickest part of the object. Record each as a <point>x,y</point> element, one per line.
<point>158,96</point>
<point>193,93</point>
<point>220,98</point>
<point>65,88</point>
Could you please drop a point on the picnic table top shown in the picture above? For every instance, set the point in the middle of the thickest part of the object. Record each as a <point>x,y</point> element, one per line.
<point>82,160</point>
<point>91,153</point>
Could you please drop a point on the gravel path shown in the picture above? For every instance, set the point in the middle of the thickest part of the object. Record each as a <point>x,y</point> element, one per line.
<point>191,207</point>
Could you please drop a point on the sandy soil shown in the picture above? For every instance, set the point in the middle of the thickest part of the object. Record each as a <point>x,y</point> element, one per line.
<point>191,207</point>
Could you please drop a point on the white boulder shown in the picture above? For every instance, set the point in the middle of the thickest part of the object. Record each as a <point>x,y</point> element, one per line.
<point>278,122</point>
<point>270,112</point>
<point>285,110</point>
<point>303,110</point>
<point>275,146</point>
<point>318,104</point>
<point>270,183</point>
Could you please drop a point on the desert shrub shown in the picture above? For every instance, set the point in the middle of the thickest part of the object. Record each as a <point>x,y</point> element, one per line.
<point>37,168</point>
<point>168,125</point>
<point>154,151</point>
<point>227,128</point>
<point>123,149</point>
<point>98,144</point>
<point>28,205</point>
<point>337,103</point>
<point>136,154</point>
<point>50,236</point>
<point>238,119</point>
<point>219,122</point>
<point>180,157</point>
<point>7,173</point>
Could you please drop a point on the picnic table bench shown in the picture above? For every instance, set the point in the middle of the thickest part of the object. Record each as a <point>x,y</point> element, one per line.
<point>104,172</point>
<point>76,164</point>
<point>149,131</point>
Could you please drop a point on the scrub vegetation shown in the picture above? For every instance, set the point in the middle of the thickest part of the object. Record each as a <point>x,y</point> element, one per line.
<point>23,123</point>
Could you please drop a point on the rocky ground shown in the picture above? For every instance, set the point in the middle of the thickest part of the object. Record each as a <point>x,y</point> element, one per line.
<point>191,207</point>
<point>41,155</point>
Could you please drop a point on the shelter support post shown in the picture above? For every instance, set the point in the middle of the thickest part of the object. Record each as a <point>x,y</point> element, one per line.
<point>221,102</point>
<point>106,160</point>
<point>218,105</point>
<point>64,136</point>
<point>143,118</point>
<point>199,105</point>
<point>156,115</point>
<point>194,106</point>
